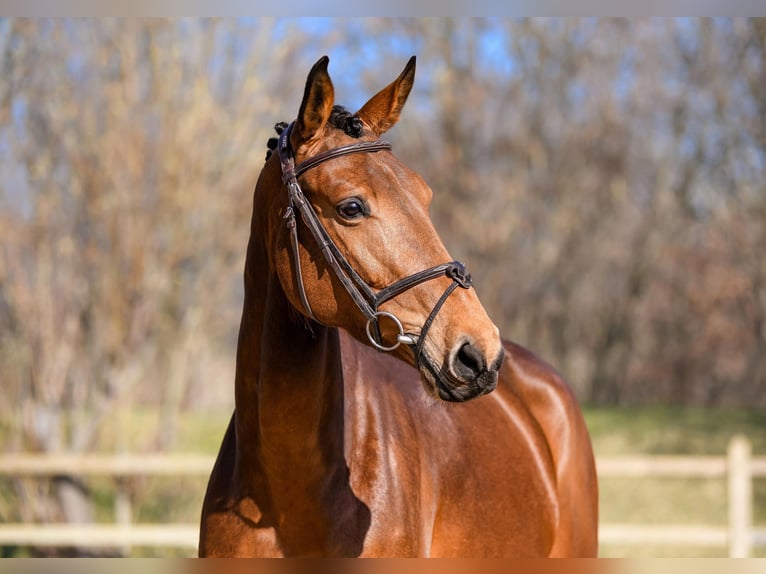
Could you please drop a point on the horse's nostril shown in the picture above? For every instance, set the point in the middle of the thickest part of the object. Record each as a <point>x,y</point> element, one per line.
<point>469,362</point>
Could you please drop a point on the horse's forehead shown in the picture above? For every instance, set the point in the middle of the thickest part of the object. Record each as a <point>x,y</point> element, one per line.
<point>329,138</point>
<point>364,170</point>
<point>387,177</point>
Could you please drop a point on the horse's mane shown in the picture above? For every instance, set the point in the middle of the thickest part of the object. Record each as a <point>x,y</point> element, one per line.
<point>340,118</point>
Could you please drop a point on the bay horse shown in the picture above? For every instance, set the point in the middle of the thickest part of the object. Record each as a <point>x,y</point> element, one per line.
<point>377,410</point>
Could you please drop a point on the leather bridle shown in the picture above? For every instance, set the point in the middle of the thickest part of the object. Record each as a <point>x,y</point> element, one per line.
<point>360,292</point>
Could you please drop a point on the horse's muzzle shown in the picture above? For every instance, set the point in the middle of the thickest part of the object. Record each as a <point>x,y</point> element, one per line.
<point>485,383</point>
<point>467,376</point>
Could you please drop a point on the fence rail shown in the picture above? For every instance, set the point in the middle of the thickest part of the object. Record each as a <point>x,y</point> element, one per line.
<point>738,467</point>
<point>118,465</point>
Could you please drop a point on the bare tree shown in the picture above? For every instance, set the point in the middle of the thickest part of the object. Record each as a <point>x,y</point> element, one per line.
<point>132,147</point>
<point>603,178</point>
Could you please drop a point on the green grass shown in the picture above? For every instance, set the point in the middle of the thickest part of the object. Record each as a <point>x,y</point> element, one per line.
<point>614,432</point>
<point>672,430</point>
<point>136,430</point>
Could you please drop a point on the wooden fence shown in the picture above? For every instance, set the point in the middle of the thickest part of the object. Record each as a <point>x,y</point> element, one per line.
<point>738,467</point>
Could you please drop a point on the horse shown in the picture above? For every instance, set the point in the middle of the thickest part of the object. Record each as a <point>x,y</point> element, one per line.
<point>378,412</point>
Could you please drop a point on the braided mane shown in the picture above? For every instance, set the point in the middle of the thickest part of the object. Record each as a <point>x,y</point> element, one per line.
<point>340,118</point>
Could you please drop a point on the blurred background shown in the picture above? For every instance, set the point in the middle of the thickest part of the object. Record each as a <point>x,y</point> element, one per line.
<point>604,181</point>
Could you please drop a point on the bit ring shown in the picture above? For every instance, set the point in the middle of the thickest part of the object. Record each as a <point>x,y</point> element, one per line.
<point>400,338</point>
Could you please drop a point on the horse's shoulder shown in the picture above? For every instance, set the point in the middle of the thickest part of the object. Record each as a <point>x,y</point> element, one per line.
<point>552,403</point>
<point>548,398</point>
<point>532,375</point>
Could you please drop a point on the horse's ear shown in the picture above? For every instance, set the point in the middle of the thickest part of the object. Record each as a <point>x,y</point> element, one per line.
<point>316,107</point>
<point>382,110</point>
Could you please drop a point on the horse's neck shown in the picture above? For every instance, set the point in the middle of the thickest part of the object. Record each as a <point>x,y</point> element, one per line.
<point>289,389</point>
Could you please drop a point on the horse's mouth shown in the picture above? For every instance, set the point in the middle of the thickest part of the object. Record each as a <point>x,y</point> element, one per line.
<point>440,383</point>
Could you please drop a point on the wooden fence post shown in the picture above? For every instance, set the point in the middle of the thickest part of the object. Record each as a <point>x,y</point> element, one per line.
<point>123,510</point>
<point>740,483</point>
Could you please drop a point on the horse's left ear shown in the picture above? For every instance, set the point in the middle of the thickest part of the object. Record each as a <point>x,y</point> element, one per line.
<point>382,110</point>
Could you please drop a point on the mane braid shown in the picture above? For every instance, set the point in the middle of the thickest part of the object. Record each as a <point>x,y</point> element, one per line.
<point>274,142</point>
<point>344,120</point>
<point>340,118</point>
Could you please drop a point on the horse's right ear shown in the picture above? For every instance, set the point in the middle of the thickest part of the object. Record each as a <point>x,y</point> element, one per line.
<point>382,110</point>
<point>318,99</point>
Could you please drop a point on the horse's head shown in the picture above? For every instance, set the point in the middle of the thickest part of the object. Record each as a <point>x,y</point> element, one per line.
<point>353,246</point>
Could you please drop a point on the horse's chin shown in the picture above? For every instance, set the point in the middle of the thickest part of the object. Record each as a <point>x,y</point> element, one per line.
<point>441,384</point>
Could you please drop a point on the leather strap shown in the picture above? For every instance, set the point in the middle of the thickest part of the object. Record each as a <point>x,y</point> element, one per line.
<point>292,226</point>
<point>322,157</point>
<point>427,325</point>
<point>454,269</point>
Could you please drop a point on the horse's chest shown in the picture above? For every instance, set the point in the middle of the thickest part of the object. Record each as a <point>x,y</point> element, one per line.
<point>452,492</point>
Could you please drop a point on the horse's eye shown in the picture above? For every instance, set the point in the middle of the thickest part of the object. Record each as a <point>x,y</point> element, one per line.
<point>352,208</point>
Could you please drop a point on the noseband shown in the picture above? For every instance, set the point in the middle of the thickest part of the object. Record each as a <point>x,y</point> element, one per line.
<point>360,292</point>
